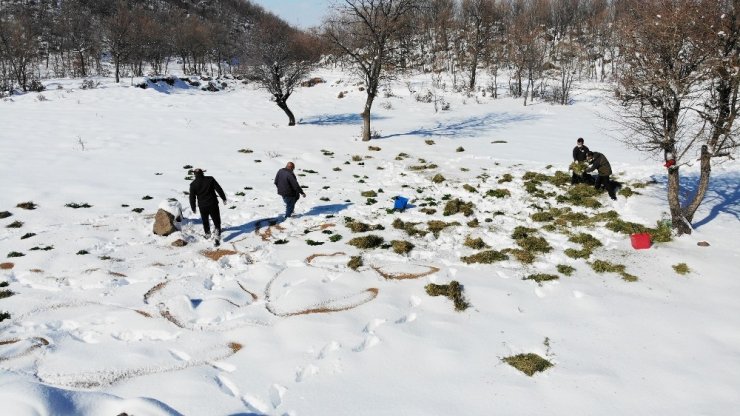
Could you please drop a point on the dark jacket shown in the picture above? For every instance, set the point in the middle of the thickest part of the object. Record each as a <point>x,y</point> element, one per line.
<point>601,164</point>
<point>205,189</point>
<point>287,184</point>
<point>579,153</point>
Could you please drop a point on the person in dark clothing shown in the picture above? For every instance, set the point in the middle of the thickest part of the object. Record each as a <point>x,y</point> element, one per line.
<point>600,164</point>
<point>205,190</point>
<point>288,187</point>
<point>579,156</point>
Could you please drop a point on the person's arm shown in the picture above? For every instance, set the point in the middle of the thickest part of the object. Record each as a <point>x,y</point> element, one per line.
<point>294,184</point>
<point>575,154</point>
<point>219,190</point>
<point>192,198</point>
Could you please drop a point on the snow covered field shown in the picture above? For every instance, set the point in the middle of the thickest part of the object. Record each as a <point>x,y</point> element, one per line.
<point>140,327</point>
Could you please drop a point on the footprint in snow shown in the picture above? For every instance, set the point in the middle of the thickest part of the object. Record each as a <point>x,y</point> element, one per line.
<point>227,386</point>
<point>372,325</point>
<point>253,404</point>
<point>304,373</point>
<point>180,355</point>
<point>276,395</point>
<point>369,342</point>
<point>411,317</point>
<point>328,349</point>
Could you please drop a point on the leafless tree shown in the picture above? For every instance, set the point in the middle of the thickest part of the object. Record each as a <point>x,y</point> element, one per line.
<point>678,90</point>
<point>19,47</point>
<point>365,30</point>
<point>478,18</point>
<point>120,35</point>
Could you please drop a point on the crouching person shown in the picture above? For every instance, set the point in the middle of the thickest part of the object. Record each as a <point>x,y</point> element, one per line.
<point>600,164</point>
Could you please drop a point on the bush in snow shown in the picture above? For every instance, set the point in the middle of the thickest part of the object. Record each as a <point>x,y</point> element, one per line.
<point>528,364</point>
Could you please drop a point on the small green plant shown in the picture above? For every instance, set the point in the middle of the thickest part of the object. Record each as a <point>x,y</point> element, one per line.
<point>15,254</point>
<point>4,316</point>
<point>565,269</point>
<point>314,243</point>
<point>602,266</point>
<point>334,238</point>
<point>681,268</point>
<point>138,210</point>
<point>528,364</point>
<point>452,291</point>
<point>470,188</point>
<point>436,226</point>
<point>5,214</point>
<point>27,205</point>
<point>429,142</point>
<point>6,294</point>
<point>146,198</point>
<point>475,243</point>
<point>455,206</point>
<point>401,247</point>
<point>541,277</point>
<point>438,178</point>
<point>366,242</point>
<point>355,262</point>
<point>506,177</point>
<point>357,158</point>
<point>485,257</point>
<point>82,252</point>
<point>76,205</point>
<point>498,193</point>
<point>473,223</point>
<point>460,149</point>
<point>15,224</point>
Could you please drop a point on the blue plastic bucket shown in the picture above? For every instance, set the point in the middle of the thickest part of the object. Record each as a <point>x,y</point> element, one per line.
<point>400,203</point>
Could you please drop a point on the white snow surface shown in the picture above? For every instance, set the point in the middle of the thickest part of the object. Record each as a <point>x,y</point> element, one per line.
<point>140,327</point>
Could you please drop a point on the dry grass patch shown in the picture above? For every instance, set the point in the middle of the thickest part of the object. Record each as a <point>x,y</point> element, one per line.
<point>366,242</point>
<point>355,262</point>
<point>216,255</point>
<point>27,205</point>
<point>681,268</point>
<point>475,243</point>
<point>401,246</point>
<point>542,277</point>
<point>485,257</point>
<point>452,291</point>
<point>6,266</point>
<point>602,266</point>
<point>565,269</point>
<point>528,364</point>
<point>310,258</point>
<point>405,276</point>
<point>455,206</point>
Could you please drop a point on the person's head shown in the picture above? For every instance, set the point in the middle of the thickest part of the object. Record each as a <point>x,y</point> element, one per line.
<point>290,166</point>
<point>579,142</point>
<point>198,172</point>
<point>589,155</point>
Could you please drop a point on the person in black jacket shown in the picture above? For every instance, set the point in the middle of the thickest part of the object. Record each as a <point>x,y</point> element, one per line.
<point>579,156</point>
<point>204,189</point>
<point>288,187</point>
<point>600,164</point>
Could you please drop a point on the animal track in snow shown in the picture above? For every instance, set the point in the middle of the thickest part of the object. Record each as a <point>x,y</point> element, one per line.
<point>303,373</point>
<point>328,349</point>
<point>369,342</point>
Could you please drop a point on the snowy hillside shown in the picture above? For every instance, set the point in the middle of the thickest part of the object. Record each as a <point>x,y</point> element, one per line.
<point>105,318</point>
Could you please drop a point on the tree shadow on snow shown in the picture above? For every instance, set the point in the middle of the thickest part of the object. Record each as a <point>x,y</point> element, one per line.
<point>337,119</point>
<point>472,126</point>
<point>722,197</point>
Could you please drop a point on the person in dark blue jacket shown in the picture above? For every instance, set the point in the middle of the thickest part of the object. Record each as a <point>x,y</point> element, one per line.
<point>204,189</point>
<point>288,188</point>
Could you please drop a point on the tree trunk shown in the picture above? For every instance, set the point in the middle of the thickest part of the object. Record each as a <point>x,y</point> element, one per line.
<point>118,65</point>
<point>678,221</point>
<point>703,185</point>
<point>473,70</point>
<point>284,106</point>
<point>366,117</point>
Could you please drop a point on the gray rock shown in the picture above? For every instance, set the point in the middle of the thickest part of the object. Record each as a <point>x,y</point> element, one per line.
<point>164,223</point>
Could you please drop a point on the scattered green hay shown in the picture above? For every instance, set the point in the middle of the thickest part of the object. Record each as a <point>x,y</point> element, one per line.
<point>4,284</point>
<point>506,177</point>
<point>423,167</point>
<point>455,206</point>
<point>409,228</point>
<point>629,277</point>
<point>578,254</point>
<point>534,244</point>
<point>485,257</point>
<point>15,254</point>
<point>187,167</point>
<point>281,241</point>
<point>146,197</point>
<point>460,149</point>
<point>5,214</point>
<point>523,256</point>
<point>627,192</point>
<point>498,141</point>
<point>45,248</point>
<point>470,188</point>
<point>327,152</point>
<point>240,193</point>
<point>27,205</point>
<point>438,178</point>
<point>371,201</point>
<point>373,148</point>
<point>436,226</point>
<point>532,188</point>
<point>402,156</point>
<point>401,247</point>
<point>334,238</point>
<point>639,185</point>
<point>573,219</point>
<point>369,194</point>
<point>325,199</point>
<point>663,233</point>
<point>327,232</point>
<point>602,266</point>
<point>446,197</point>
<point>522,232</point>
<point>428,211</point>
<point>4,316</point>
<point>535,176</point>
<point>337,169</point>
<point>355,262</point>
<point>361,227</point>
<point>6,294</point>
<point>473,223</point>
<point>549,227</point>
<point>15,224</point>
<point>475,243</point>
<point>366,242</point>
<point>580,195</point>
<point>75,205</point>
<point>544,216</point>
<point>586,240</point>
<point>681,268</point>
<point>429,142</point>
<point>453,291</point>
<point>498,193</point>
<point>357,158</point>
<point>565,269</point>
<point>240,151</point>
<point>314,243</point>
<point>560,178</point>
<point>82,252</point>
<point>138,210</point>
<point>542,277</point>
<point>579,168</point>
<point>528,364</point>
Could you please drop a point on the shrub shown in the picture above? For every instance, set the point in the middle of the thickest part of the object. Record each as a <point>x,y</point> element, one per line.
<point>453,291</point>
<point>541,277</point>
<point>506,177</point>
<point>401,247</point>
<point>27,205</point>
<point>438,178</point>
<point>565,269</point>
<point>355,262</point>
<point>75,205</point>
<point>369,194</point>
<point>15,254</point>
<point>436,226</point>
<point>498,193</point>
<point>365,242</point>
<point>528,364</point>
<point>5,214</point>
<point>470,188</point>
<point>15,224</point>
<point>681,268</point>
<point>27,235</point>
<point>460,149</point>
<point>475,243</point>
<point>314,243</point>
<point>455,205</point>
<point>534,244</point>
<point>587,240</point>
<point>485,257</point>
<point>334,238</point>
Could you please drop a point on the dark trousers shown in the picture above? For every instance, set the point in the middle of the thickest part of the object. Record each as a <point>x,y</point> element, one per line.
<point>215,214</point>
<point>289,205</point>
<point>604,182</point>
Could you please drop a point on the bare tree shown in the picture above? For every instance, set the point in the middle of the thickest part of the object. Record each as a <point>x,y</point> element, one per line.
<point>282,60</point>
<point>120,35</point>
<point>19,46</point>
<point>678,90</point>
<point>365,31</point>
<point>477,18</point>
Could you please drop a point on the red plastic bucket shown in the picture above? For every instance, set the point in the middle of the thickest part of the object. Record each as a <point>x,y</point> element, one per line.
<point>640,241</point>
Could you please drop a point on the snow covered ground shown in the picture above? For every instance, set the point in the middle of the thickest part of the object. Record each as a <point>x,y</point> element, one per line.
<point>140,327</point>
